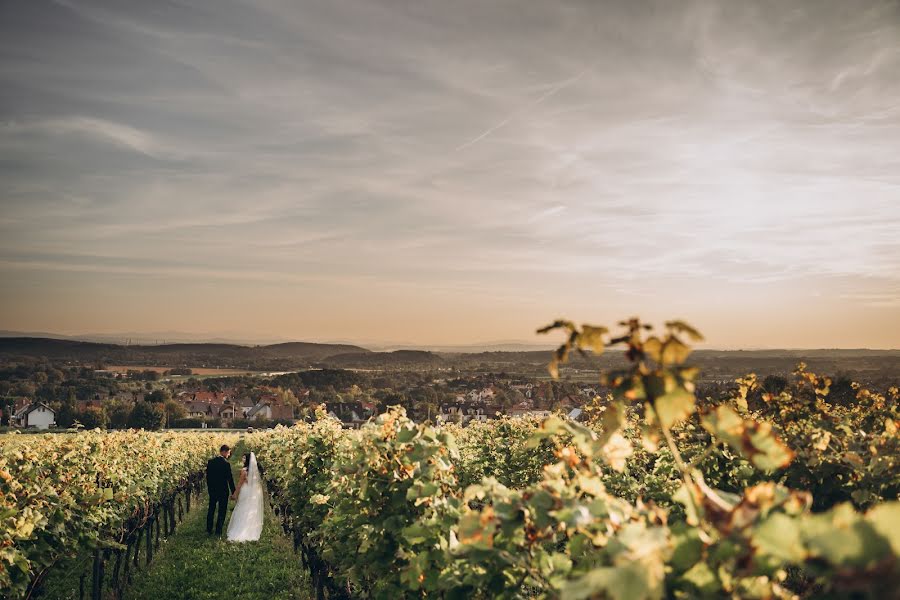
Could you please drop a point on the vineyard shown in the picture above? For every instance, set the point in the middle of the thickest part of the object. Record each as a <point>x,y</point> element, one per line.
<point>660,495</point>
<point>760,493</point>
<point>103,498</point>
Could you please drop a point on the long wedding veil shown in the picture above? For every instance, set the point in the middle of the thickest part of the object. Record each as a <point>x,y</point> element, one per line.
<point>247,518</point>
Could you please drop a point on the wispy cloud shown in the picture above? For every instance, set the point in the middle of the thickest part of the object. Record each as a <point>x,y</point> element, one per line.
<point>118,134</point>
<point>552,91</point>
<point>532,156</point>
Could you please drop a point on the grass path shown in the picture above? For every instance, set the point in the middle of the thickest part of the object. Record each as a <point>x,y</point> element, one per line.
<point>193,566</point>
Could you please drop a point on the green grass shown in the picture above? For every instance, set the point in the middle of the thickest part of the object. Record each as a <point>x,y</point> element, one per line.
<point>192,565</point>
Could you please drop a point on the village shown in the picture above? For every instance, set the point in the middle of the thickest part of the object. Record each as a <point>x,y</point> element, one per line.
<point>121,400</point>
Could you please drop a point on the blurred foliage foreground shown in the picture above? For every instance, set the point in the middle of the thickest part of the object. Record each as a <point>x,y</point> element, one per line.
<point>763,493</point>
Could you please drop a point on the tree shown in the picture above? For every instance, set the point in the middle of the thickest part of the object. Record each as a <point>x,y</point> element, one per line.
<point>150,375</point>
<point>146,415</point>
<point>24,388</point>
<point>174,411</point>
<point>502,399</point>
<point>119,413</point>
<point>8,406</point>
<point>288,398</point>
<point>92,417</point>
<point>66,414</point>
<point>47,393</point>
<point>158,396</point>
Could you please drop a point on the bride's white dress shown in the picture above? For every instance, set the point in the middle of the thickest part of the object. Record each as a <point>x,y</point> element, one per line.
<point>247,517</point>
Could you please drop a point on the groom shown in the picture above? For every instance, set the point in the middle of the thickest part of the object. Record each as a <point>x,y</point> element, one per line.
<point>220,485</point>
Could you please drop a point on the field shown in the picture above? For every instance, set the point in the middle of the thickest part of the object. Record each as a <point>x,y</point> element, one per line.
<point>658,494</point>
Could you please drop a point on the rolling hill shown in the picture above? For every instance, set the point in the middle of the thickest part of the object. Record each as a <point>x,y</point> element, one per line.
<point>275,356</point>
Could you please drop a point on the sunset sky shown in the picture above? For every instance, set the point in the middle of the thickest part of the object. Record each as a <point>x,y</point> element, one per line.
<point>451,171</point>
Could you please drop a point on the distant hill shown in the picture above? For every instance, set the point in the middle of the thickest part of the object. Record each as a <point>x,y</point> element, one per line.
<point>312,350</point>
<point>276,356</point>
<point>714,364</point>
<point>149,338</point>
<point>53,348</point>
<point>374,360</point>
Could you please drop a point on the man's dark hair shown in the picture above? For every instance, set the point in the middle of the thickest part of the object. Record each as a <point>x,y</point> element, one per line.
<point>224,448</point>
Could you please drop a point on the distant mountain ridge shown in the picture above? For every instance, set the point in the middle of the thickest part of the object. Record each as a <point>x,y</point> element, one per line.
<point>152,338</point>
<point>300,355</point>
<point>174,354</point>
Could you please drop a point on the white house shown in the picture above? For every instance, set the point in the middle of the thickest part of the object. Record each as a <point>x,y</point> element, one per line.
<point>260,412</point>
<point>37,415</point>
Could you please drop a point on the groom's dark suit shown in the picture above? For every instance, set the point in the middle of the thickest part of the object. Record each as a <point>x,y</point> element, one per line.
<point>220,485</point>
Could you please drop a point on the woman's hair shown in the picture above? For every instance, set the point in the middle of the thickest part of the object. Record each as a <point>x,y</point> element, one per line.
<point>246,460</point>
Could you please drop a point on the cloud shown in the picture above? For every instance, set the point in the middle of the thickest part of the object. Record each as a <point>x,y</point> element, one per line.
<point>485,147</point>
<point>97,129</point>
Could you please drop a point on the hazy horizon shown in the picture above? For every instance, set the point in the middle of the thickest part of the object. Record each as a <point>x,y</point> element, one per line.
<point>443,173</point>
<point>543,343</point>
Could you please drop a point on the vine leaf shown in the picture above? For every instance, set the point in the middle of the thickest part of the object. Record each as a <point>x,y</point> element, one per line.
<point>753,439</point>
<point>591,338</point>
<point>778,539</point>
<point>674,351</point>
<point>674,406</point>
<point>682,327</point>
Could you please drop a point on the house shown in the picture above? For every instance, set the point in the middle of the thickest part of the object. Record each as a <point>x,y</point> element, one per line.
<point>260,412</point>
<point>37,415</point>
<point>483,412</point>
<point>227,411</point>
<point>243,405</point>
<point>201,410</point>
<point>265,411</point>
<point>526,409</point>
<point>210,397</point>
<point>463,413</point>
<point>351,413</point>
<point>452,413</point>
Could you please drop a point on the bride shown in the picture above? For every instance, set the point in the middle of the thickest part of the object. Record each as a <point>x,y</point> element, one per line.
<point>247,518</point>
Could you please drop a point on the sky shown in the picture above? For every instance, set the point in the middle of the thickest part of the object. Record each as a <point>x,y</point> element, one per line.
<point>451,172</point>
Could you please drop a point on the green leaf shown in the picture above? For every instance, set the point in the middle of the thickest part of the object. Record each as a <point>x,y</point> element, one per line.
<point>687,548</point>
<point>415,533</point>
<point>842,538</point>
<point>778,540</point>
<point>701,577</point>
<point>753,439</point>
<point>628,582</point>
<point>674,406</point>
<point>885,518</point>
<point>406,434</point>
